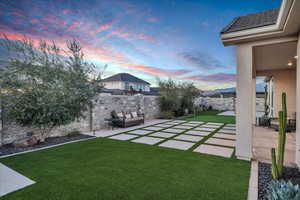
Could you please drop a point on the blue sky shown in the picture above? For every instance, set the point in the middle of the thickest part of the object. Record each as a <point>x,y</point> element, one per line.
<point>154,38</point>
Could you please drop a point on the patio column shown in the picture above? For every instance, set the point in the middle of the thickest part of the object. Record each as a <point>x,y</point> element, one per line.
<point>298,106</point>
<point>245,101</point>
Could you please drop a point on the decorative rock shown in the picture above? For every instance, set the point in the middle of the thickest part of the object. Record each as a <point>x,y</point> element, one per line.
<point>25,142</point>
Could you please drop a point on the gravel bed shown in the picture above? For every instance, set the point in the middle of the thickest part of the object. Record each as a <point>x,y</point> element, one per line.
<point>10,149</point>
<point>265,177</point>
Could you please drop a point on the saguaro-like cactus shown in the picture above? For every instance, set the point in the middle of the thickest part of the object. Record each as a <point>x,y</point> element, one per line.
<point>277,164</point>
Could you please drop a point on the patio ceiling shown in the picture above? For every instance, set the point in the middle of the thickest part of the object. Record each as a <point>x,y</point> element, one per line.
<point>274,58</point>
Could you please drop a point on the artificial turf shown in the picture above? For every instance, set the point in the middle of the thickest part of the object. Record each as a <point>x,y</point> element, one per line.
<point>105,169</point>
<point>211,116</point>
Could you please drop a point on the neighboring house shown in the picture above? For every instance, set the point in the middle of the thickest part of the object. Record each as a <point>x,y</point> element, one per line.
<point>125,81</point>
<point>267,44</point>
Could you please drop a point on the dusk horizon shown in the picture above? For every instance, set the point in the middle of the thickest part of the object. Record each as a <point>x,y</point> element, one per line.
<point>150,40</point>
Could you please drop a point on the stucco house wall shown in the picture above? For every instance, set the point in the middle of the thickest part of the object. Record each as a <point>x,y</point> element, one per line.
<point>285,81</point>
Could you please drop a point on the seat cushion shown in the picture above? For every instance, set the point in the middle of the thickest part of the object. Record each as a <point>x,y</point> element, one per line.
<point>120,115</point>
<point>134,114</point>
<point>128,116</point>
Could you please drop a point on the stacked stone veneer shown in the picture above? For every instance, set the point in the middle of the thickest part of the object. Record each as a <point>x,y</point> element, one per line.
<point>94,119</point>
<point>225,103</point>
<point>104,104</point>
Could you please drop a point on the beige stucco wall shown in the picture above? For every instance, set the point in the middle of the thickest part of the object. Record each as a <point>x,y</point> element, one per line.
<point>285,81</point>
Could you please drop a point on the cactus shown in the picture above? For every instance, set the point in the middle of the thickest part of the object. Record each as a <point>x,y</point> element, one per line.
<point>274,164</point>
<point>277,165</point>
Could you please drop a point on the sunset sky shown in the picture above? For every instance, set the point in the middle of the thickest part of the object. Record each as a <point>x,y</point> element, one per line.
<point>147,38</point>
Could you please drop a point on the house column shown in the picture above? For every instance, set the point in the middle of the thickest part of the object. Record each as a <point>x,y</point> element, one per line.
<point>298,106</point>
<point>245,101</point>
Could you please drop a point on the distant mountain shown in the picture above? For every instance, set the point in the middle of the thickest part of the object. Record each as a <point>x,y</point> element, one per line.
<point>259,88</point>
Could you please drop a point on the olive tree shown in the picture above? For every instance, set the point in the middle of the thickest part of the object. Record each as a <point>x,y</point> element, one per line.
<point>45,86</point>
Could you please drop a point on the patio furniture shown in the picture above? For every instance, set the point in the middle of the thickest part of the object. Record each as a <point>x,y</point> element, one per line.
<point>290,127</point>
<point>124,120</point>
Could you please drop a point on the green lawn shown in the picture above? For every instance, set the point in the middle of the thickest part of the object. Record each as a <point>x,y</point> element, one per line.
<point>105,169</point>
<point>211,116</point>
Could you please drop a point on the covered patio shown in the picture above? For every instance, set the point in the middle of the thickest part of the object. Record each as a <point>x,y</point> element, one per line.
<point>267,44</point>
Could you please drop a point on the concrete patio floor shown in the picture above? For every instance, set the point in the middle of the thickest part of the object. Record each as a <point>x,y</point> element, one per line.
<point>265,138</point>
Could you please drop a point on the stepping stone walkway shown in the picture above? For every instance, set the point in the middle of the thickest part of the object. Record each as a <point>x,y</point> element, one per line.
<point>183,127</point>
<point>11,180</point>
<point>222,142</point>
<point>229,128</point>
<point>184,135</point>
<point>205,129</point>
<point>214,150</point>
<point>179,121</point>
<point>174,144</point>
<point>104,134</point>
<point>164,125</point>
<point>190,138</point>
<point>140,132</point>
<point>190,125</point>
<point>173,130</point>
<point>201,133</point>
<point>123,137</point>
<point>163,134</point>
<point>227,131</point>
<point>153,128</point>
<point>148,140</point>
<point>196,123</point>
<point>232,125</point>
<point>172,123</point>
<point>224,136</point>
<point>212,123</point>
<point>210,126</point>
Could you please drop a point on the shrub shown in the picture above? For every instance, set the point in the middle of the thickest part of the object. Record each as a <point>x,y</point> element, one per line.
<point>177,98</point>
<point>281,190</point>
<point>167,115</point>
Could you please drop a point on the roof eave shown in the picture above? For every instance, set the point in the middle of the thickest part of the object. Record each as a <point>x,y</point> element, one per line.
<point>257,33</point>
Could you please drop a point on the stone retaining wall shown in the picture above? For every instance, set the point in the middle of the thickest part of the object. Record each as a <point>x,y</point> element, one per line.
<point>94,119</point>
<point>105,103</point>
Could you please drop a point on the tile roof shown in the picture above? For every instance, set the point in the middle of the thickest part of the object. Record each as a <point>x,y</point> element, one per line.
<point>125,77</point>
<point>259,19</point>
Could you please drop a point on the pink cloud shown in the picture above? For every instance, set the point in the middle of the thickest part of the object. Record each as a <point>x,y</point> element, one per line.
<point>66,11</point>
<point>34,21</point>
<point>104,54</point>
<point>101,28</point>
<point>153,19</point>
<point>217,78</point>
<point>17,13</point>
<point>74,25</point>
<point>147,38</point>
<point>155,70</point>
<point>120,33</point>
<point>54,20</point>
